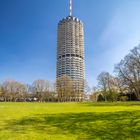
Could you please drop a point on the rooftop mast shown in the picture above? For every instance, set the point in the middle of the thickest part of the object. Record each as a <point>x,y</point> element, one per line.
<point>70,7</point>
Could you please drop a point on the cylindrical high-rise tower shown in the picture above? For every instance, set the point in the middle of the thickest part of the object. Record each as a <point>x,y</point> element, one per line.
<point>70,51</point>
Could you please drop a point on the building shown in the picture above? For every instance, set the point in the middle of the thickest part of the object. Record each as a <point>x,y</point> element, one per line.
<point>70,50</point>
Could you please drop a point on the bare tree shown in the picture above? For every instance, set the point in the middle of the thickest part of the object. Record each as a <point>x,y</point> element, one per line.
<point>13,90</point>
<point>128,71</point>
<point>108,86</point>
<point>1,94</point>
<point>41,89</point>
<point>65,88</point>
<point>104,83</point>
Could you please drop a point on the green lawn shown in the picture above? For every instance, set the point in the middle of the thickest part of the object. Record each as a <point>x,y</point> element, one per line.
<point>70,121</point>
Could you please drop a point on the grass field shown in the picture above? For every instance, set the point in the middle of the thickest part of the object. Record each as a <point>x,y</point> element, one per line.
<point>70,121</point>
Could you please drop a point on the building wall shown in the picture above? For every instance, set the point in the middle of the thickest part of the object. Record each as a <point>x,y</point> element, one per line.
<point>70,51</point>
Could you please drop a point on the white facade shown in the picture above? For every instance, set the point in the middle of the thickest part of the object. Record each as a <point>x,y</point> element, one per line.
<point>70,51</point>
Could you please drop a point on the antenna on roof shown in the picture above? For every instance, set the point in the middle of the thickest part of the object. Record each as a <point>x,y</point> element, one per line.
<point>70,7</point>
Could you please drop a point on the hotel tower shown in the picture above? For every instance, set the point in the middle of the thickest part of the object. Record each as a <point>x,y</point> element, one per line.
<point>70,50</point>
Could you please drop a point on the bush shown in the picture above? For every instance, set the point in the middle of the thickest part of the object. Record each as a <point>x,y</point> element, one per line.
<point>123,98</point>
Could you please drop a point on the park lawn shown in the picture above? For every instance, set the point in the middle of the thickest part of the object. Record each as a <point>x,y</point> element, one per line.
<point>70,121</point>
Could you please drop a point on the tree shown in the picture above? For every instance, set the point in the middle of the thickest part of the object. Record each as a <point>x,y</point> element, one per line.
<point>13,90</point>
<point>41,89</point>
<point>1,94</point>
<point>100,98</point>
<point>108,86</point>
<point>65,88</point>
<point>128,71</point>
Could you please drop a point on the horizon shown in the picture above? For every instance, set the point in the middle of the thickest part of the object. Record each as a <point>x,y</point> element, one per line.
<point>28,37</point>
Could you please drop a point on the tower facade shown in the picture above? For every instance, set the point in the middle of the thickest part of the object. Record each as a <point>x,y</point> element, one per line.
<point>70,50</point>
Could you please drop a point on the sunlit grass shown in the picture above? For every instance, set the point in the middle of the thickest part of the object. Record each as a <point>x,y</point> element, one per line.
<point>70,121</point>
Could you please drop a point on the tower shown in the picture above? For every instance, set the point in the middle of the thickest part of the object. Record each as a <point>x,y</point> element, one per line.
<point>70,50</point>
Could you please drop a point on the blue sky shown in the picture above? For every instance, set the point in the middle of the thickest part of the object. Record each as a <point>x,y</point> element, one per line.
<point>28,35</point>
